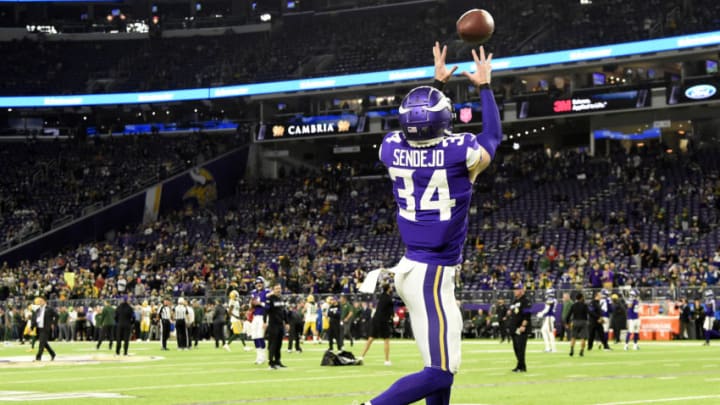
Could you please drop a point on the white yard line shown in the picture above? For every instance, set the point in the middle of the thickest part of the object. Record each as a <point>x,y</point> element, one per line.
<point>244,382</point>
<point>653,401</point>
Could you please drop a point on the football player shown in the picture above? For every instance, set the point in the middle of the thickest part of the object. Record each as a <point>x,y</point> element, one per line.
<point>236,326</point>
<point>709,316</point>
<point>606,309</point>
<point>547,317</point>
<point>633,320</point>
<point>258,299</point>
<point>432,171</point>
<point>310,314</point>
<point>145,312</point>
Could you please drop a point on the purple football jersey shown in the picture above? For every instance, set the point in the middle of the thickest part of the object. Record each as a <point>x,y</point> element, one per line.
<point>260,295</point>
<point>710,307</point>
<point>633,309</point>
<point>432,189</point>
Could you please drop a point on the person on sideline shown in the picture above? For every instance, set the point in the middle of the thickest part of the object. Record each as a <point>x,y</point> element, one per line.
<point>547,317</point>
<point>124,320</point>
<point>219,317</point>
<point>44,320</point>
<point>258,300</point>
<point>381,324</point>
<point>576,321</point>
<point>165,319</point>
<point>520,327</point>
<point>276,321</point>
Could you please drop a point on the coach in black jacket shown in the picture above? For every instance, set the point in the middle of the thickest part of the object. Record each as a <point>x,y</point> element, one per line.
<point>276,319</point>
<point>44,319</point>
<point>520,327</point>
<point>595,329</point>
<point>124,318</point>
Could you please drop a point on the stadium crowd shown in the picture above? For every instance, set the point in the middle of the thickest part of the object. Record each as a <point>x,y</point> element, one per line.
<point>319,232</point>
<point>44,182</point>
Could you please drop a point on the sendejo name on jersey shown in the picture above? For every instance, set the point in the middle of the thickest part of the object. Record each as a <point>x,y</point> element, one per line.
<point>418,158</point>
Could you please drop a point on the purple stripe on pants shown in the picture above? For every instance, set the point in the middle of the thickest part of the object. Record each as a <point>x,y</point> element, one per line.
<point>435,318</point>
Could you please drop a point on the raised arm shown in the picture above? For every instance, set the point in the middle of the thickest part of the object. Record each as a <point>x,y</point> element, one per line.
<point>491,135</point>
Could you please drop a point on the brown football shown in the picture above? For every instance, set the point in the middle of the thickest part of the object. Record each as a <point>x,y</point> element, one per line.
<point>475,26</point>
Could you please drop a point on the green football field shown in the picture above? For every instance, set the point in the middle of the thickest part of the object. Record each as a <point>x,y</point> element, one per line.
<point>660,373</point>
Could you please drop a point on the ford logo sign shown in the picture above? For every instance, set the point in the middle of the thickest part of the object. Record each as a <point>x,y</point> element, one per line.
<point>700,92</point>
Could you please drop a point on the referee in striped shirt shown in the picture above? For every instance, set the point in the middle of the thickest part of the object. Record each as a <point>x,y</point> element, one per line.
<point>181,330</point>
<point>165,316</point>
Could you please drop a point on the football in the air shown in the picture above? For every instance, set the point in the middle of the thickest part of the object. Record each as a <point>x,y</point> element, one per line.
<point>475,26</point>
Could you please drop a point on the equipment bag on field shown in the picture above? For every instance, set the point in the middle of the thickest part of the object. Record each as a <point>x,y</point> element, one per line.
<point>339,359</point>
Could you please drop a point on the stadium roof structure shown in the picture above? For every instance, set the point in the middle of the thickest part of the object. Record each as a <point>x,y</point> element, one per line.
<point>514,63</point>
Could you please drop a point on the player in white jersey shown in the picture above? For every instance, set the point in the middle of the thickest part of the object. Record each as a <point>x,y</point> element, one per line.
<point>310,317</point>
<point>145,312</point>
<point>547,317</point>
<point>233,310</point>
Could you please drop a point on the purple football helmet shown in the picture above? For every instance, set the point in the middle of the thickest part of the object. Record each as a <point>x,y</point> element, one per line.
<point>425,114</point>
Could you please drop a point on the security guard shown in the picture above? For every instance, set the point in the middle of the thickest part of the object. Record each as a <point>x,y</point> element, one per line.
<point>520,326</point>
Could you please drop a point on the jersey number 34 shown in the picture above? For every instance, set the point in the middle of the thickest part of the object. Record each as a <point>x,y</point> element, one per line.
<point>435,197</point>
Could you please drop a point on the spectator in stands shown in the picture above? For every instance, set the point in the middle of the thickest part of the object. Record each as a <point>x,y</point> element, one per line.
<point>481,323</point>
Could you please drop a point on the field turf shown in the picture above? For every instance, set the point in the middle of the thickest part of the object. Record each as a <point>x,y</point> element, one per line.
<point>659,373</point>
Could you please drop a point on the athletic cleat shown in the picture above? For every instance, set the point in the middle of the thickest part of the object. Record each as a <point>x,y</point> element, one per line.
<point>636,347</point>
<point>226,347</point>
<point>626,347</point>
<point>388,363</point>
